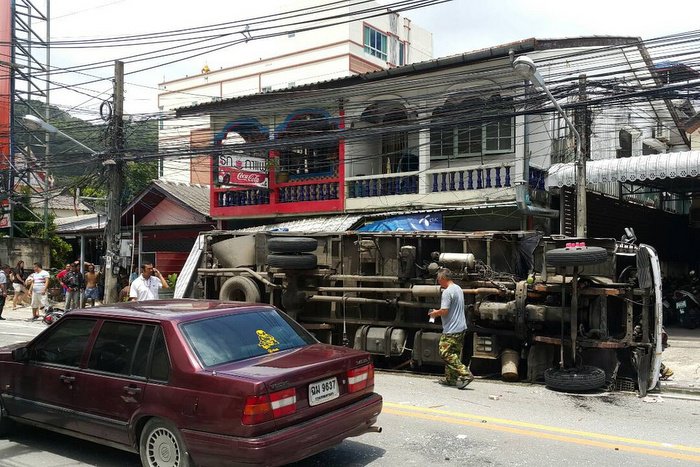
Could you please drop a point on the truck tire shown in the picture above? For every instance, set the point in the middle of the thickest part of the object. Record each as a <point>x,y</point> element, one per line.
<point>576,257</point>
<point>240,289</point>
<point>301,261</point>
<point>292,244</point>
<point>584,378</point>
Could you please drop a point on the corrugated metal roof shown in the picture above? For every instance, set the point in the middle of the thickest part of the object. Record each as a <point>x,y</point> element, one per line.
<point>629,169</point>
<point>80,224</point>
<point>499,51</point>
<point>339,223</point>
<point>194,196</point>
<point>59,202</point>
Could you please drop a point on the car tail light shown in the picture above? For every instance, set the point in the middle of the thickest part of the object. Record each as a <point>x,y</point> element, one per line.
<point>360,378</point>
<point>259,409</point>
<point>284,402</point>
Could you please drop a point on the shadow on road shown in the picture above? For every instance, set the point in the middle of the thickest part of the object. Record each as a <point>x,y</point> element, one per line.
<point>29,446</point>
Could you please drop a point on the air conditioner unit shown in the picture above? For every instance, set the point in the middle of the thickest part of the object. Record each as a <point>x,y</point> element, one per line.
<point>663,134</point>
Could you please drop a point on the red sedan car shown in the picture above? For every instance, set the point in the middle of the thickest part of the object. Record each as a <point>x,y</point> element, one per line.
<point>190,382</point>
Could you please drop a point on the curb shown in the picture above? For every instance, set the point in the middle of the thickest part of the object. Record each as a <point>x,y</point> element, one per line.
<point>676,388</point>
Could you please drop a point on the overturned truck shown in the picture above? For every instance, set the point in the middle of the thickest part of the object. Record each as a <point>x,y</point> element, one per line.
<point>578,314</point>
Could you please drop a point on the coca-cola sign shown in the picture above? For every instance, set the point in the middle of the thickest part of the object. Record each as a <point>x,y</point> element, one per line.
<point>239,168</point>
<point>231,176</point>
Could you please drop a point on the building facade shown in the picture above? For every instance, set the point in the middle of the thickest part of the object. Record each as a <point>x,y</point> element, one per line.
<point>299,57</point>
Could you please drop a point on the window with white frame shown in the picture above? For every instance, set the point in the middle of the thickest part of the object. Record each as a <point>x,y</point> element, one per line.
<point>492,135</point>
<point>375,43</point>
<point>402,53</point>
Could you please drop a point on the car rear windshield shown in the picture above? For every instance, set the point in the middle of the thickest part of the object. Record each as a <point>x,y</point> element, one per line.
<point>234,337</point>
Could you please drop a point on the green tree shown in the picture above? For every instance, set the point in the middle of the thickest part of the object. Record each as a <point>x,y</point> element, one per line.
<point>30,225</point>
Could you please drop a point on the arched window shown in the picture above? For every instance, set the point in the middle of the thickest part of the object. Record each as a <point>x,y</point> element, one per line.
<point>471,127</point>
<point>310,145</point>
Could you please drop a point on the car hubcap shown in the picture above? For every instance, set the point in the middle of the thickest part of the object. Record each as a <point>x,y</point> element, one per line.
<point>163,450</point>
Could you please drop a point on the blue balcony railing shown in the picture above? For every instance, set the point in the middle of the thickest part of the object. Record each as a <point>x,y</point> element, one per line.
<point>469,178</point>
<point>382,185</point>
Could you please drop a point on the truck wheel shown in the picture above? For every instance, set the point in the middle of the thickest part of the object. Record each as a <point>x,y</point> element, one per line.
<point>584,378</point>
<point>292,244</point>
<point>576,257</point>
<point>240,289</point>
<point>300,261</point>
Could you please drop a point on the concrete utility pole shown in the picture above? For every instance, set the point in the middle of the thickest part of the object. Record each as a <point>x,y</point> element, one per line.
<point>581,206</point>
<point>115,166</point>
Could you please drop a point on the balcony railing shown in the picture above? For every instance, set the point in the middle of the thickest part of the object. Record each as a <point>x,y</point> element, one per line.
<point>252,197</point>
<point>307,191</point>
<point>382,185</point>
<point>469,178</point>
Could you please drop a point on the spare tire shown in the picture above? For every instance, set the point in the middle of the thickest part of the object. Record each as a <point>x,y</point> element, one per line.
<point>583,378</point>
<point>576,256</point>
<point>300,262</point>
<point>240,289</point>
<point>292,244</point>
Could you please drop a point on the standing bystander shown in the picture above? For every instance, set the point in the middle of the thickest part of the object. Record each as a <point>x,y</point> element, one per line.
<point>61,277</point>
<point>39,283</point>
<point>74,286</point>
<point>91,279</point>
<point>454,325</point>
<point>4,282</point>
<point>18,284</point>
<point>146,286</point>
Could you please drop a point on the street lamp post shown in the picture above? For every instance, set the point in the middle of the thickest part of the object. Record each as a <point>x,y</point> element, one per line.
<point>526,69</point>
<point>33,123</point>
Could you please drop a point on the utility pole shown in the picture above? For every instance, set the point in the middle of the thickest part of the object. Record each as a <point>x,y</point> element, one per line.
<point>581,207</point>
<point>115,167</point>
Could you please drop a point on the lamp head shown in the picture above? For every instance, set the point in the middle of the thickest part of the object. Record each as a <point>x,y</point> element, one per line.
<point>525,67</point>
<point>34,123</point>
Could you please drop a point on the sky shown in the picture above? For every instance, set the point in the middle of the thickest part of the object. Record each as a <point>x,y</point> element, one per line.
<point>457,26</point>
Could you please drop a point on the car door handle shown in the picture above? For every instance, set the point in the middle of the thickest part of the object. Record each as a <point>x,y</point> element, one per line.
<point>132,390</point>
<point>67,379</point>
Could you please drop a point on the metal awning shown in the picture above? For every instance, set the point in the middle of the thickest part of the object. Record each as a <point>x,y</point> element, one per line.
<point>654,170</point>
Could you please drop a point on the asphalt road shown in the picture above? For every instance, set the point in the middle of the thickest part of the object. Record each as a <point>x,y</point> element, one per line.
<point>424,423</point>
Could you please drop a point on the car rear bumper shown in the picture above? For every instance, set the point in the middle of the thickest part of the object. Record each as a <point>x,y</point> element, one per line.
<point>289,444</point>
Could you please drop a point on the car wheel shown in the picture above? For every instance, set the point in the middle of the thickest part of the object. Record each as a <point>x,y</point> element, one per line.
<point>576,257</point>
<point>584,378</point>
<point>240,289</point>
<point>292,244</point>
<point>161,445</point>
<point>300,261</point>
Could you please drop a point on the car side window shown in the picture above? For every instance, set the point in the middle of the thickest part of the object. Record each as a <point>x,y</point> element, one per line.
<point>66,344</point>
<point>114,348</point>
<point>143,351</point>
<point>160,362</point>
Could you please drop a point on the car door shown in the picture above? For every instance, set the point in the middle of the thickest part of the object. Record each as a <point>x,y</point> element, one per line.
<point>112,385</point>
<point>42,389</point>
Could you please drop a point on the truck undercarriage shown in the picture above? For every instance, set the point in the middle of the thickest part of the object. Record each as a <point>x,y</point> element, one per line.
<point>580,314</point>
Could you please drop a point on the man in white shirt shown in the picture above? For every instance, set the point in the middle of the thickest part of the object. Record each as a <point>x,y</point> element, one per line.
<point>39,284</point>
<point>147,285</point>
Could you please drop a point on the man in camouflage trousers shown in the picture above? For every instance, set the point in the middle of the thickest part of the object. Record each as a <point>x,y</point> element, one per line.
<point>454,325</point>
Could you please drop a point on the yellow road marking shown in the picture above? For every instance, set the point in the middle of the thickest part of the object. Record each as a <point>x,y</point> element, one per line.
<point>547,432</point>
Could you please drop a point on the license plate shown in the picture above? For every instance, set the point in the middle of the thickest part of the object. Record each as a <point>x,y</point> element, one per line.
<point>323,391</point>
<point>680,305</point>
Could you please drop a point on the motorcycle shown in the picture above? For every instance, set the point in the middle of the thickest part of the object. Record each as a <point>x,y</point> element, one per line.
<point>687,309</point>
<point>52,314</point>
